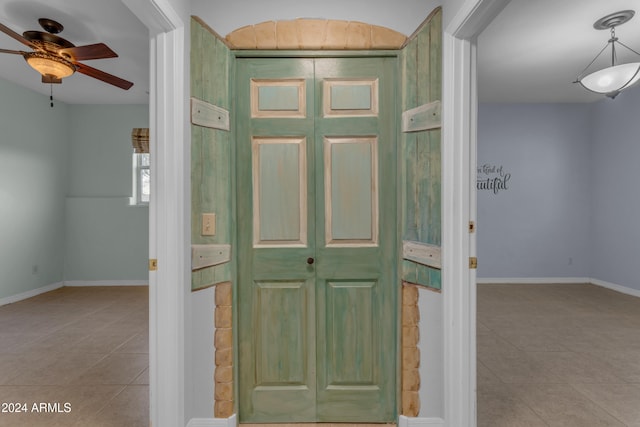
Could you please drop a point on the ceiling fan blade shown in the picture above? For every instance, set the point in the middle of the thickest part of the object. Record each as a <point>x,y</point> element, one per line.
<point>8,31</point>
<point>101,75</point>
<point>17,52</point>
<point>90,51</point>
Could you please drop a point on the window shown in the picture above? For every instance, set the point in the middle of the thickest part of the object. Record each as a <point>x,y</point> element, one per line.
<point>141,172</point>
<point>141,179</point>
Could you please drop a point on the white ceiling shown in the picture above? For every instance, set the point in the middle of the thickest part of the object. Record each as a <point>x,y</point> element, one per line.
<point>85,22</point>
<point>532,51</point>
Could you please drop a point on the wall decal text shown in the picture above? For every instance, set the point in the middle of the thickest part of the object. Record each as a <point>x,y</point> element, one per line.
<point>493,178</point>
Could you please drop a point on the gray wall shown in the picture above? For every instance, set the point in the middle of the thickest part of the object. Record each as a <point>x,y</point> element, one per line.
<point>65,178</point>
<point>615,186</point>
<point>33,182</point>
<point>106,239</point>
<point>572,202</point>
<point>537,227</point>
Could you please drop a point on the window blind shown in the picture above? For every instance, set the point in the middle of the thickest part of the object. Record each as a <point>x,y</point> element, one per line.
<point>140,140</point>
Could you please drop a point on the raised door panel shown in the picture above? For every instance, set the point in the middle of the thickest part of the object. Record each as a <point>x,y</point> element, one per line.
<point>350,97</point>
<point>350,335</point>
<point>282,346</point>
<point>283,337</point>
<point>279,192</point>
<point>278,98</point>
<point>351,191</point>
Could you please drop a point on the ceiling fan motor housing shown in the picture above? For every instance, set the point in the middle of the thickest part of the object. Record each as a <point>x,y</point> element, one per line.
<point>46,41</point>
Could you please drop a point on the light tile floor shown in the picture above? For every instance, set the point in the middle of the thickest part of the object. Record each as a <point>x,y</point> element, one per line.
<point>557,355</point>
<point>87,347</point>
<point>548,355</point>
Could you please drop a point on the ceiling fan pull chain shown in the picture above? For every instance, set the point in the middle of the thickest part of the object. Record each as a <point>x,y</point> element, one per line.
<point>51,96</point>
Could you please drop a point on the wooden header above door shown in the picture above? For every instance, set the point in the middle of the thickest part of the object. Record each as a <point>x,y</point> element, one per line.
<point>325,34</point>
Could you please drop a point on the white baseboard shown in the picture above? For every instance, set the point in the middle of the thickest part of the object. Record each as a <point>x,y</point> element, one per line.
<point>559,280</point>
<point>31,293</point>
<point>617,288</point>
<point>420,422</point>
<point>532,280</point>
<point>213,422</point>
<point>106,283</point>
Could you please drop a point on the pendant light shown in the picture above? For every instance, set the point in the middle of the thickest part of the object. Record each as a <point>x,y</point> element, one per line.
<point>612,80</point>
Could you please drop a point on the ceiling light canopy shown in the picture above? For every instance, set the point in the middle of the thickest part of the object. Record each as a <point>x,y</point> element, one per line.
<point>610,81</point>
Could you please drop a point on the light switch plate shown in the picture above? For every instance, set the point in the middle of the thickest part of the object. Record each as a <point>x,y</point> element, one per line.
<point>208,224</point>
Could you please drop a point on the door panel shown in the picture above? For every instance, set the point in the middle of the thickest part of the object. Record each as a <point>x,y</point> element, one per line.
<point>284,334</point>
<point>316,210</point>
<point>282,345</point>
<point>280,191</point>
<point>278,98</point>
<point>350,334</point>
<point>350,97</point>
<point>351,191</point>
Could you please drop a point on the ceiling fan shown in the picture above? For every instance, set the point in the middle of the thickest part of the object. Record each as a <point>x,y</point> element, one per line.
<point>56,58</point>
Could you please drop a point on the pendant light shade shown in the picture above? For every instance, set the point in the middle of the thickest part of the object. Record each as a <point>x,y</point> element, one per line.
<point>610,81</point>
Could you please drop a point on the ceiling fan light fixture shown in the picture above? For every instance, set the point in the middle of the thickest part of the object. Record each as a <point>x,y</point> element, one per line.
<point>610,81</point>
<point>50,65</point>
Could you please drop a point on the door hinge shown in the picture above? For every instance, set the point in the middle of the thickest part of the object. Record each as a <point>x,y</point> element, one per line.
<point>473,262</point>
<point>472,226</point>
<point>153,264</point>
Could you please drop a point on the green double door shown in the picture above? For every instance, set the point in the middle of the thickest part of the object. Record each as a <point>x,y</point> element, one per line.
<point>316,203</point>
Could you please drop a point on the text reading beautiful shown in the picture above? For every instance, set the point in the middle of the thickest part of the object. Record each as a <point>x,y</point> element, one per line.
<point>493,178</point>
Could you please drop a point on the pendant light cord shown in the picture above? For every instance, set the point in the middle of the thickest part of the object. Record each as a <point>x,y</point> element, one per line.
<point>613,40</point>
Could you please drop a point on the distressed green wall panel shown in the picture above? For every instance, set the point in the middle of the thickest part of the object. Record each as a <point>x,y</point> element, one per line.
<point>421,163</point>
<point>210,150</point>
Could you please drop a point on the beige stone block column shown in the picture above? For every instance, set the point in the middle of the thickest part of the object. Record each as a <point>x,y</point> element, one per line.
<point>410,351</point>
<point>224,351</point>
